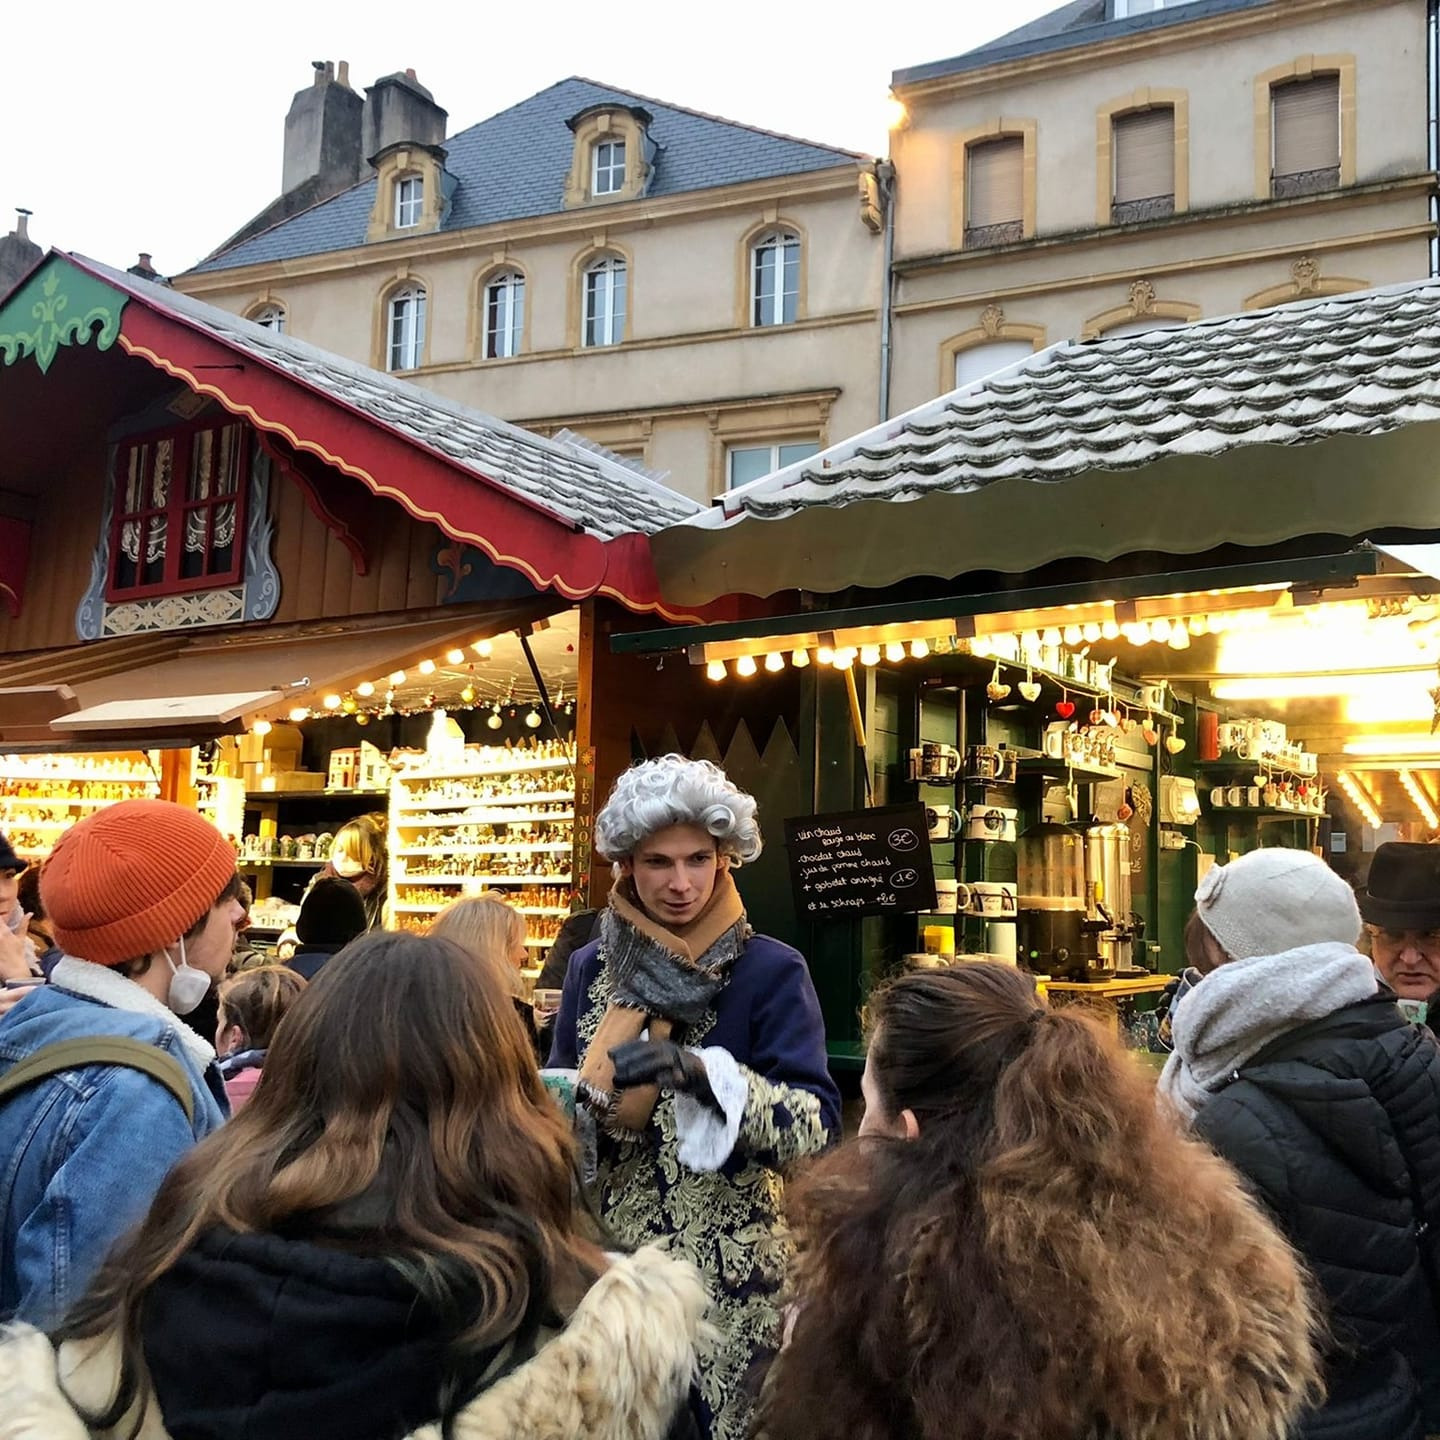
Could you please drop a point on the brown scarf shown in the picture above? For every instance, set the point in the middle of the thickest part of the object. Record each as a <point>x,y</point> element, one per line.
<point>688,950</point>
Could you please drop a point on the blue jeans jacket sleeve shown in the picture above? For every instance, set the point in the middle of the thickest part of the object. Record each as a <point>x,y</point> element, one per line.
<point>109,1153</point>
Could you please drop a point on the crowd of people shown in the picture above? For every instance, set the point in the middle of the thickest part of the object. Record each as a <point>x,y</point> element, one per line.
<point>378,1201</point>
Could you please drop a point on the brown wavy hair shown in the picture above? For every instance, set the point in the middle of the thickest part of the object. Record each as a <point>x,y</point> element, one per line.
<point>1050,1259</point>
<point>256,1000</point>
<point>402,1075</point>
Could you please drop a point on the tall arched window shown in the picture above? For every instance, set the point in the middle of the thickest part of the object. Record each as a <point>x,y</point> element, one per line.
<point>775,278</point>
<point>405,328</point>
<point>270,317</point>
<point>504,315</point>
<point>604,313</point>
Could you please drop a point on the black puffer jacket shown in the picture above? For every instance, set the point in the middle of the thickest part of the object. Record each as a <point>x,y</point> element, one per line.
<point>1336,1126</point>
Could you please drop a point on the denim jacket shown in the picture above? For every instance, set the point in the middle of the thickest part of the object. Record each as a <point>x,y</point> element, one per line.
<point>83,1152</point>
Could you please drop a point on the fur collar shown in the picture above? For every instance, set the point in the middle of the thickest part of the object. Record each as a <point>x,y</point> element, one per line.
<point>618,1371</point>
<point>110,987</point>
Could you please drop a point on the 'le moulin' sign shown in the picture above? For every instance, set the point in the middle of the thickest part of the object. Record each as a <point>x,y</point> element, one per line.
<point>862,862</point>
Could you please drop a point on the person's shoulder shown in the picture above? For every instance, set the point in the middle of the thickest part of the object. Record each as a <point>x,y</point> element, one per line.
<point>776,954</point>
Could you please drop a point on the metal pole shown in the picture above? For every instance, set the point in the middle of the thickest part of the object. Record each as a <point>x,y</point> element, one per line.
<point>539,683</point>
<point>885,175</point>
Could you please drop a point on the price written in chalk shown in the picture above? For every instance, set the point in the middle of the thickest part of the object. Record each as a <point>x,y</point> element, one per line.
<point>861,862</point>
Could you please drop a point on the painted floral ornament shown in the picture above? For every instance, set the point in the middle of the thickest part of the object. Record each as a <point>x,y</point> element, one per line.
<point>997,689</point>
<point>1030,686</point>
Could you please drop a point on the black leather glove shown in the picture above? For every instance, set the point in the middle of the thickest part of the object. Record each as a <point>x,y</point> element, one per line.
<point>663,1062</point>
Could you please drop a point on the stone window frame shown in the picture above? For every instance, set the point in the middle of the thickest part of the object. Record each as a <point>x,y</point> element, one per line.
<point>1149,97</point>
<point>405,163</point>
<point>268,302</point>
<point>777,422</point>
<point>1305,283</point>
<point>1303,67</point>
<point>769,222</point>
<point>993,327</point>
<point>500,265</point>
<point>1144,302</point>
<point>998,129</point>
<point>600,247</point>
<point>380,343</point>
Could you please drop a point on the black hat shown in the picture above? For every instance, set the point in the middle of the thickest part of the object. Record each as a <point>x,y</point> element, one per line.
<point>331,914</point>
<point>1403,890</point>
<point>9,860</point>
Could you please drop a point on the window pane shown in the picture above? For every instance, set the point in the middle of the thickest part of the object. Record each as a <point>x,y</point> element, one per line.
<point>749,463</point>
<point>1307,125</point>
<point>793,454</point>
<point>994,183</point>
<point>1144,155</point>
<point>981,360</point>
<point>617,305</point>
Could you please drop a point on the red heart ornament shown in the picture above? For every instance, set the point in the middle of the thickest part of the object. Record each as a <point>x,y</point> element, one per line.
<point>1064,708</point>
<point>1149,734</point>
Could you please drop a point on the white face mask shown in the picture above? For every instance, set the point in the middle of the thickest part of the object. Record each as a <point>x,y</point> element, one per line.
<point>17,919</point>
<point>188,986</point>
<point>344,866</point>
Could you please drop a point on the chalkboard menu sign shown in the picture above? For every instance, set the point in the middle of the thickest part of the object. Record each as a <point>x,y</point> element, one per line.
<point>864,862</point>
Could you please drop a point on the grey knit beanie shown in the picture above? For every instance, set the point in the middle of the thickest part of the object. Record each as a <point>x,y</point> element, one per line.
<point>1270,901</point>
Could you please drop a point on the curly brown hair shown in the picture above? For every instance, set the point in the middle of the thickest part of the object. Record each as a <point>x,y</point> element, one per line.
<point>1048,1259</point>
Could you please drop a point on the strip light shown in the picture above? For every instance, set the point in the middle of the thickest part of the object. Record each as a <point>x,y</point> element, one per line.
<point>1421,799</point>
<point>1358,798</point>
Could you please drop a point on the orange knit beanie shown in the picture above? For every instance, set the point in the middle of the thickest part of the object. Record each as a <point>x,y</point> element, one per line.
<point>133,878</point>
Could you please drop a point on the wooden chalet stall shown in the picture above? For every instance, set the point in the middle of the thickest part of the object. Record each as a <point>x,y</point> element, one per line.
<point>240,572</point>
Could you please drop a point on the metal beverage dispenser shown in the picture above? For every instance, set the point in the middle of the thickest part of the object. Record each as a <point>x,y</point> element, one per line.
<point>1056,934</point>
<point>1107,875</point>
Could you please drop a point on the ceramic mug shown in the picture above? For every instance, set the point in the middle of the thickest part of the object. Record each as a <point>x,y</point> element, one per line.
<point>1217,797</point>
<point>992,898</point>
<point>951,897</point>
<point>990,822</point>
<point>984,763</point>
<point>1235,796</point>
<point>935,763</point>
<point>942,821</point>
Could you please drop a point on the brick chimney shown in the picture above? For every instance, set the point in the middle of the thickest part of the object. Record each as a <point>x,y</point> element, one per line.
<point>19,254</point>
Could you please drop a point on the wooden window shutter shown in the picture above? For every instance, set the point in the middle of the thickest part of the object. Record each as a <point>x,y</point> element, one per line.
<point>1144,155</point>
<point>1307,125</point>
<point>995,183</point>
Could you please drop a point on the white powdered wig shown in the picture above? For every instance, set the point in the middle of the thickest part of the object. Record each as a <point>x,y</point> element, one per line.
<point>675,791</point>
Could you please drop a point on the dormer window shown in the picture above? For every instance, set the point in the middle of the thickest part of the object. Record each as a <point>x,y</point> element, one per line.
<point>607,175</point>
<point>409,201</point>
<point>270,317</point>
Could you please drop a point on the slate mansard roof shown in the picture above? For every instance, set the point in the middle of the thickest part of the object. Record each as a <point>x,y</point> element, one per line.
<point>1082,22</point>
<point>513,166</point>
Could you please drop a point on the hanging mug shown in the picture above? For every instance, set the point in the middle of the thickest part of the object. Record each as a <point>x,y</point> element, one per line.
<point>934,763</point>
<point>942,822</point>
<point>951,897</point>
<point>984,763</point>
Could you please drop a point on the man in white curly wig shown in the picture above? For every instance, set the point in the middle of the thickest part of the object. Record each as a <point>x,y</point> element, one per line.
<point>701,1054</point>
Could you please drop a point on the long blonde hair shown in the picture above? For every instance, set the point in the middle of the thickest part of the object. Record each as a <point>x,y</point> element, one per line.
<point>487,927</point>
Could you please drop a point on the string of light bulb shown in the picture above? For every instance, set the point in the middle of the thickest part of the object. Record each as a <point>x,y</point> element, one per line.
<point>1358,797</point>
<point>841,657</point>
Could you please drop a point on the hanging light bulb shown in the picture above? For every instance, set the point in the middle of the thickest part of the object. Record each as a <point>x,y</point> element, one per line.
<point>1196,624</point>
<point>332,702</point>
<point>1160,630</point>
<point>1090,633</point>
<point>919,649</point>
<point>365,688</point>
<point>844,658</point>
<point>894,652</point>
<point>426,667</point>
<point>532,718</point>
<point>349,706</point>
<point>745,666</point>
<point>824,655</point>
<point>397,677</point>
<point>1179,638</point>
<point>869,654</point>
<point>483,648</point>
<point>1109,630</point>
<point>715,670</point>
<point>799,658</point>
<point>774,662</point>
<point>495,722</point>
<point>454,657</point>
<point>299,713</point>
<point>1072,635</point>
<point>467,695</point>
<point>1051,637</point>
<point>261,727</point>
<point>979,646</point>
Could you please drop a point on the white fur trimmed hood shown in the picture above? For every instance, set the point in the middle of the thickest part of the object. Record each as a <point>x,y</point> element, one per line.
<point>618,1371</point>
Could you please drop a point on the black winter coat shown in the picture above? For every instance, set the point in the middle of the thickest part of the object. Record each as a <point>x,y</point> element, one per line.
<point>1336,1127</point>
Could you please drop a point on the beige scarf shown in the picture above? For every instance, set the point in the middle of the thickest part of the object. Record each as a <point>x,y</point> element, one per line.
<point>631,1109</point>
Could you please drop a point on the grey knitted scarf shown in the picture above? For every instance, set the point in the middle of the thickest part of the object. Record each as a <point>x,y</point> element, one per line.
<point>646,976</point>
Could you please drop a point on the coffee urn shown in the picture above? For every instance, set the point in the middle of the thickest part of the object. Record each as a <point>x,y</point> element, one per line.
<point>1107,876</point>
<point>1056,933</point>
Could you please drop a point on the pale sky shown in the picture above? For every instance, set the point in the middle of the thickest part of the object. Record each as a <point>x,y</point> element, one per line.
<point>158,125</point>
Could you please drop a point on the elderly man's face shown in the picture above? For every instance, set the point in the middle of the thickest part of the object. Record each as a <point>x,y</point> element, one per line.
<point>674,872</point>
<point>1408,959</point>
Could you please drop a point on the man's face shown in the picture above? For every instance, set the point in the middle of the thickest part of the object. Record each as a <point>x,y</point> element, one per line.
<point>212,948</point>
<point>9,888</point>
<point>1408,959</point>
<point>674,871</point>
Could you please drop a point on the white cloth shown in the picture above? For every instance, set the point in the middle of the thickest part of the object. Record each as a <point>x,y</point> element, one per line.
<point>110,987</point>
<point>1239,1008</point>
<point>707,1140</point>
